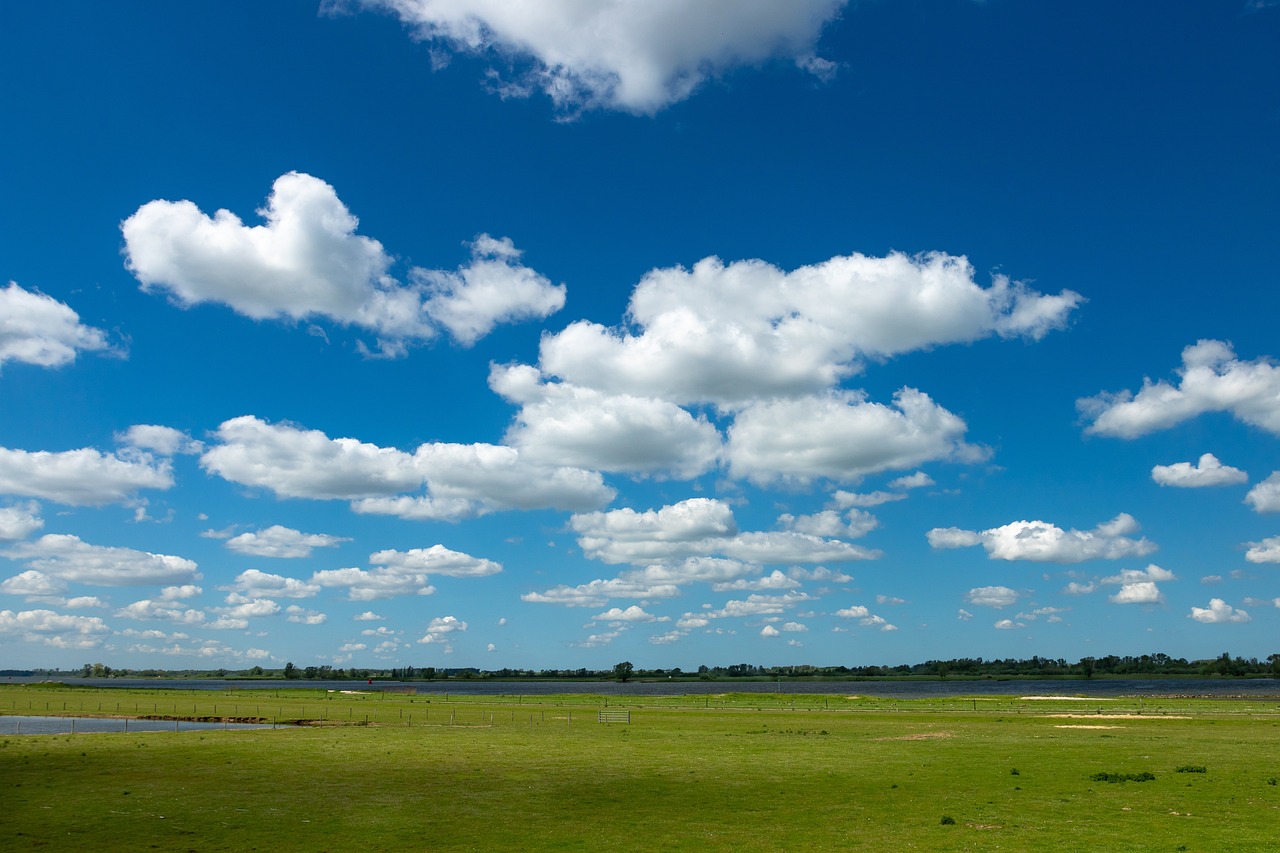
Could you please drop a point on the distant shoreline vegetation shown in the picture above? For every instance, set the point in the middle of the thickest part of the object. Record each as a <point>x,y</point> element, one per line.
<point>1034,668</point>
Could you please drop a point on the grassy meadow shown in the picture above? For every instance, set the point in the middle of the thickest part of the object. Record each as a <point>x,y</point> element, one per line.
<point>743,771</point>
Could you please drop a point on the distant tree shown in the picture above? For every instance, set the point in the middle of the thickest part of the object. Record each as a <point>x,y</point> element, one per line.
<point>290,671</point>
<point>429,673</point>
<point>257,670</point>
<point>623,671</point>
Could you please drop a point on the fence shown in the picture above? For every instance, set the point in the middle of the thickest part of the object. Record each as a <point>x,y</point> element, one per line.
<point>614,717</point>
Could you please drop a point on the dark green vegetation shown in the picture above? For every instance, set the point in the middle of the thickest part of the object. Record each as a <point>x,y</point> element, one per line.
<point>1157,665</point>
<point>730,771</point>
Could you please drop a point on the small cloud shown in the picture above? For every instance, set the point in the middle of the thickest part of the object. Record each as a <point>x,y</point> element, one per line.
<point>1218,611</point>
<point>1207,472</point>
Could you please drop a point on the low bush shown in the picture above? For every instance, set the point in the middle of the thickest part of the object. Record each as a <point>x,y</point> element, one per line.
<point>1145,776</point>
<point>1191,768</point>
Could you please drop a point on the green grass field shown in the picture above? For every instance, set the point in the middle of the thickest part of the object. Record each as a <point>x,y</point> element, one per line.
<point>740,771</point>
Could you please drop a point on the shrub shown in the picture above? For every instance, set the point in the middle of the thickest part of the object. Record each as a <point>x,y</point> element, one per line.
<point>1145,776</point>
<point>947,820</point>
<point>1191,768</point>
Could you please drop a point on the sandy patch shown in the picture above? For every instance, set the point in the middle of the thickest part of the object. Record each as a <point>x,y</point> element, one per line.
<point>1087,727</point>
<point>1062,699</point>
<point>1118,716</point>
<point>922,736</point>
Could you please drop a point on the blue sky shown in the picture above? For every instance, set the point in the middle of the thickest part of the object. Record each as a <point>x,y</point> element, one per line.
<point>398,332</point>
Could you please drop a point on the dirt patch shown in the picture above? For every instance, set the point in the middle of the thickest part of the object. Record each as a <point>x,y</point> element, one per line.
<point>922,736</point>
<point>1062,698</point>
<point>1087,727</point>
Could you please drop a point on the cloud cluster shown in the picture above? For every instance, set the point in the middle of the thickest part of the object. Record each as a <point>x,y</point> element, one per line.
<point>282,542</point>
<point>67,558</point>
<point>1211,379</point>
<point>698,528</point>
<point>38,329</point>
<point>306,262</point>
<point>84,477</point>
<point>733,333</point>
<point>562,423</point>
<point>53,629</point>
<point>635,55</point>
<point>1139,586</point>
<point>1040,541</point>
<point>459,480</point>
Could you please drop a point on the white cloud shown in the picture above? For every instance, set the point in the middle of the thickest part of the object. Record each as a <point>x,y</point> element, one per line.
<point>1265,497</point>
<point>770,631</point>
<point>241,610</point>
<point>1266,551</point>
<point>1211,379</point>
<point>303,616</point>
<point>436,560</point>
<point>918,480</point>
<point>756,605</point>
<point>494,477</point>
<point>278,541</point>
<point>461,480</point>
<point>180,593</point>
<point>84,477</point>
<point>19,521</point>
<point>162,440</point>
<point>493,289</point>
<point>33,584</point>
<point>1041,541</point>
<point>368,616</point>
<point>40,330</point>
<point>598,592</point>
<point>1208,472</point>
<point>68,558</point>
<point>638,57</point>
<point>992,596</point>
<point>1139,586</point>
<point>731,334</point>
<point>440,629</point>
<point>53,629</point>
<point>373,585</point>
<point>1218,611</point>
<point>841,436</point>
<point>853,525</point>
<point>307,262</point>
<point>963,615</point>
<point>297,463</point>
<point>844,500</point>
<point>856,611</point>
<point>564,424</point>
<point>1138,592</point>
<point>1150,573</point>
<point>1008,625</point>
<point>953,537</point>
<point>774,580</point>
<point>253,582</point>
<point>819,573</point>
<point>151,609</point>
<point>1077,588</point>
<point>633,614</point>
<point>698,527</point>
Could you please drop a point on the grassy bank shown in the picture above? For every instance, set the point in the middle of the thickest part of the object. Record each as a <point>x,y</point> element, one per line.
<point>739,771</point>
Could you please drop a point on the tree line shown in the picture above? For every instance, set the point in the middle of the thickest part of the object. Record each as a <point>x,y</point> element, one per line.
<point>1157,665</point>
